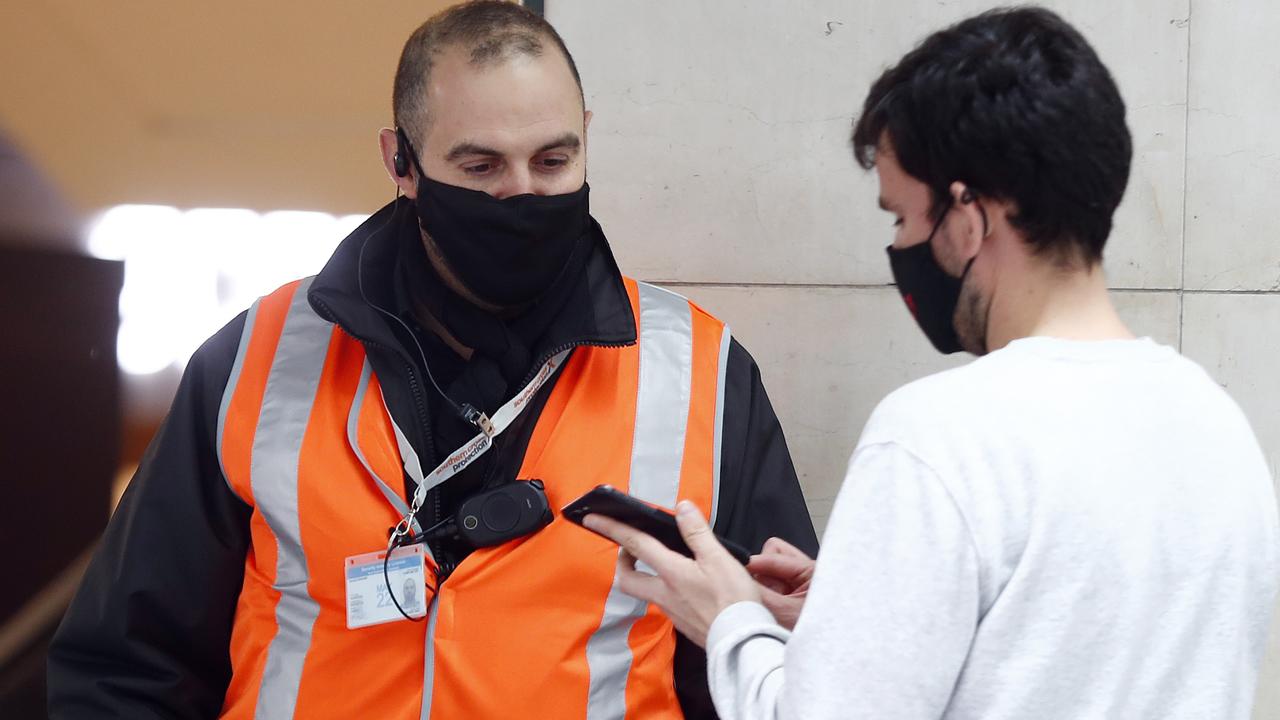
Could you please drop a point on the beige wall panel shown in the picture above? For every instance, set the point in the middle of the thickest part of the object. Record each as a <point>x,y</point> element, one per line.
<point>1233,149</point>
<point>722,127</point>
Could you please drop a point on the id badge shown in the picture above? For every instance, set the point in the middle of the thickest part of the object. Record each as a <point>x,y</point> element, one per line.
<point>369,600</point>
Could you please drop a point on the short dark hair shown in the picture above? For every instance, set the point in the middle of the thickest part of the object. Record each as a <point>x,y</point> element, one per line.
<point>1015,104</point>
<point>492,30</point>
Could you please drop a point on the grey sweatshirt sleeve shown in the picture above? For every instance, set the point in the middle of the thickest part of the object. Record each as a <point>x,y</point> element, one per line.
<point>888,620</point>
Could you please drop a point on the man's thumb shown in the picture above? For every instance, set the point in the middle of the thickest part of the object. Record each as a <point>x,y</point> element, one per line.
<point>695,531</point>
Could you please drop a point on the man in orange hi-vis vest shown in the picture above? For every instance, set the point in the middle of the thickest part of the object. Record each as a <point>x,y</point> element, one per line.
<point>468,362</point>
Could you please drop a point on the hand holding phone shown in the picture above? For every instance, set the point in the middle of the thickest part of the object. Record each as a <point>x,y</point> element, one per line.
<point>655,521</point>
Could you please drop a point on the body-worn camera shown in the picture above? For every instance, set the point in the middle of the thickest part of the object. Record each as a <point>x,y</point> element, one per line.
<point>503,514</point>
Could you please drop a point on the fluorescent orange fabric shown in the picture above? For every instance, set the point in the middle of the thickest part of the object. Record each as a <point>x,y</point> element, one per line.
<point>512,622</point>
<point>254,610</point>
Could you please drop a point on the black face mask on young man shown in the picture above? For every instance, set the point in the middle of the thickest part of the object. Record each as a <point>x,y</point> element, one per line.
<point>507,252</point>
<point>931,294</point>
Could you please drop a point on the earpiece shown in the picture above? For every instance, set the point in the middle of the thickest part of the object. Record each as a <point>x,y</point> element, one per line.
<point>966,197</point>
<point>401,160</point>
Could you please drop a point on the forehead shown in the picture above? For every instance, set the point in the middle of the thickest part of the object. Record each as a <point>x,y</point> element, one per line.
<point>887,167</point>
<point>896,186</point>
<point>508,101</point>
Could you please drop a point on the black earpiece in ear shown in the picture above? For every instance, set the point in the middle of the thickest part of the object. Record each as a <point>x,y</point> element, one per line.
<point>400,163</point>
<point>966,197</point>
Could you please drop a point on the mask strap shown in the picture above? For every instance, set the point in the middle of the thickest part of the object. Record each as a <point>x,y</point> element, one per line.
<point>942,217</point>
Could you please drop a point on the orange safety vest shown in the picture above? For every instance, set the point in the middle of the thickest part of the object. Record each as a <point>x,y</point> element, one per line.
<point>532,628</point>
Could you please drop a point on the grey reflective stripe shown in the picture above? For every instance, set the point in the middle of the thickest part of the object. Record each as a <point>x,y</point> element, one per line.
<point>286,408</point>
<point>412,464</point>
<point>353,439</point>
<point>725,339</point>
<point>429,664</point>
<point>232,381</point>
<point>662,399</point>
<point>662,414</point>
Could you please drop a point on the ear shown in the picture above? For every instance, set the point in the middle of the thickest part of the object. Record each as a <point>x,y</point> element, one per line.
<point>969,227</point>
<point>389,147</point>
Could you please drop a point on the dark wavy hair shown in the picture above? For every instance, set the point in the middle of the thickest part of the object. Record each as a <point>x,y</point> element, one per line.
<point>1015,104</point>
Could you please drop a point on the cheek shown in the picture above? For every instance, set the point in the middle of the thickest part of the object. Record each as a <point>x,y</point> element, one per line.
<point>948,251</point>
<point>552,187</point>
<point>569,180</point>
<point>910,233</point>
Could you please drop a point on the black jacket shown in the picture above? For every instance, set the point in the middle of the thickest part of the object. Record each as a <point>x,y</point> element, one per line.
<point>148,632</point>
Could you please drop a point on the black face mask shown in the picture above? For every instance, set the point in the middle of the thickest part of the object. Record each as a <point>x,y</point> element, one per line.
<point>929,292</point>
<point>507,252</point>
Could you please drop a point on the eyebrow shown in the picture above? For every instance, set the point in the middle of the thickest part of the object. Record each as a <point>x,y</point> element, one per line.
<point>463,149</point>
<point>568,141</point>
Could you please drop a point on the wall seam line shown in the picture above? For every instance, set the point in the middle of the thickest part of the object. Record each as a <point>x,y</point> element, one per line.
<point>1186,144</point>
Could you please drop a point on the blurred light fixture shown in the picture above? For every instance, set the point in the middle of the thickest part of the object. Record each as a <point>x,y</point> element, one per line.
<point>188,272</point>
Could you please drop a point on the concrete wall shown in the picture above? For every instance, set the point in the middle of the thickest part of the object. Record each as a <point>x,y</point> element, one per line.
<point>720,165</point>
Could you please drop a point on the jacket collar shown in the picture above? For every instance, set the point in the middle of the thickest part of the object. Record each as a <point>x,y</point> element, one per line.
<point>598,311</point>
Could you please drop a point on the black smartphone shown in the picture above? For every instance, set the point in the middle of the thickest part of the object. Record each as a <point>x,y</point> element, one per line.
<point>661,524</point>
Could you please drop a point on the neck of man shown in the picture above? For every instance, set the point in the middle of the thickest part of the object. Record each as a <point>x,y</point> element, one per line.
<point>1045,298</point>
<point>429,321</point>
<point>436,258</point>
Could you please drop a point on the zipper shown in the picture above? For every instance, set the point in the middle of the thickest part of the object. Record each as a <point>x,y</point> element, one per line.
<point>544,357</point>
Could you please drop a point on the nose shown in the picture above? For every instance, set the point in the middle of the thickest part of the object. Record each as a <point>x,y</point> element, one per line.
<point>518,181</point>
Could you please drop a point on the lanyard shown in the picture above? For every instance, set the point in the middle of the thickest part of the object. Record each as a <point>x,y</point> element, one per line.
<point>458,461</point>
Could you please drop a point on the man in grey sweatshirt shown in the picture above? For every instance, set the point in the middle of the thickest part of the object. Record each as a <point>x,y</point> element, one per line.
<point>1078,524</point>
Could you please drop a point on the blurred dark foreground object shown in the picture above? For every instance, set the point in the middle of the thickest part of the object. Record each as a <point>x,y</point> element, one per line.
<point>59,430</point>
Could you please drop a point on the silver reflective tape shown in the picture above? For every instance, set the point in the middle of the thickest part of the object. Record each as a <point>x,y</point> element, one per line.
<point>286,408</point>
<point>718,441</point>
<point>230,390</point>
<point>662,401</point>
<point>662,414</point>
<point>429,666</point>
<point>474,448</point>
<point>408,455</point>
<point>353,439</point>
